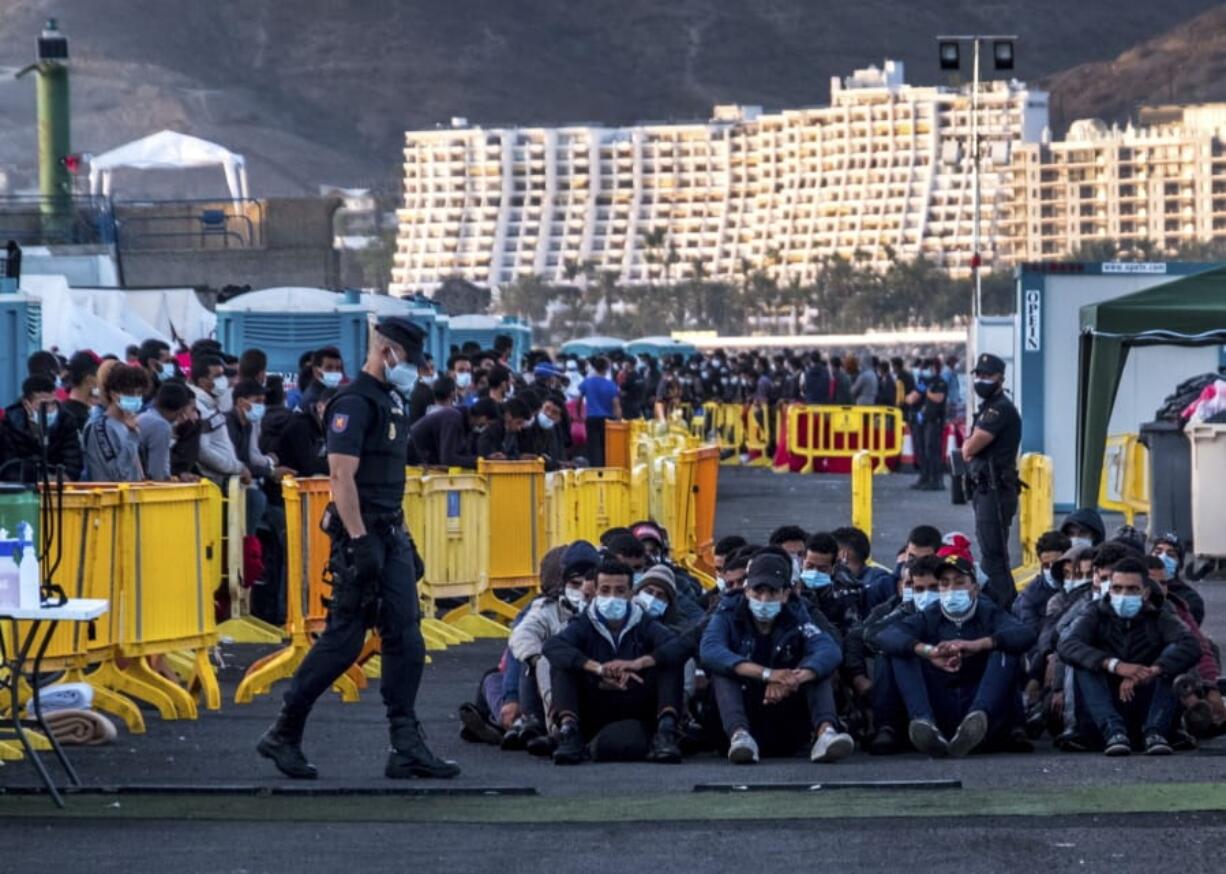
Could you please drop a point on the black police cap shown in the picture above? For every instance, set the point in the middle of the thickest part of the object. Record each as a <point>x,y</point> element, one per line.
<point>989,365</point>
<point>406,335</point>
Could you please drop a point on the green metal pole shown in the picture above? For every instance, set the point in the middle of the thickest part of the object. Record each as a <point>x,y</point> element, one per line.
<point>54,180</point>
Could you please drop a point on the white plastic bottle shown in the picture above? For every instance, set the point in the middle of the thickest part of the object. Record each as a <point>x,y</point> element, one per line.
<point>10,574</point>
<point>30,579</point>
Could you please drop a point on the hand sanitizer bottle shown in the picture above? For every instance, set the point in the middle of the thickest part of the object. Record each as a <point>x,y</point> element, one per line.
<point>30,579</point>
<point>10,574</point>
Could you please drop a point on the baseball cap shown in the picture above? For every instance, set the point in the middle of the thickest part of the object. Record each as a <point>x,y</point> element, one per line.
<point>545,370</point>
<point>405,334</point>
<point>958,563</point>
<point>650,531</point>
<point>770,570</point>
<point>989,365</point>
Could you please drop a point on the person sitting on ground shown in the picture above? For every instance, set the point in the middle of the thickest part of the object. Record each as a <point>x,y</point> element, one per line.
<point>112,442</point>
<point>612,679</point>
<point>622,546</point>
<point>22,434</point>
<point>724,547</point>
<point>548,616</point>
<point>922,540</point>
<point>770,669</point>
<point>655,590</point>
<point>918,589</point>
<point>1084,527</point>
<point>854,551</point>
<point>156,427</point>
<point>839,601</point>
<point>1047,685</point>
<point>1169,548</point>
<point>1204,713</point>
<point>1127,652</point>
<point>791,539</point>
<point>1031,605</point>
<point>957,664</point>
<point>655,543</point>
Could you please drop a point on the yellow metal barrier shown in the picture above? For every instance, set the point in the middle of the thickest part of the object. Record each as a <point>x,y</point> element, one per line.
<point>817,432</point>
<point>862,492</point>
<point>242,626</point>
<point>557,507</point>
<point>456,550</point>
<point>694,492</point>
<point>1035,510</point>
<point>757,435</point>
<point>1124,487</point>
<point>518,532</point>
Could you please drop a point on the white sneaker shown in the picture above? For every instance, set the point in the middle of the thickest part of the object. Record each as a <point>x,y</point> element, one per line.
<point>831,746</point>
<point>744,749</point>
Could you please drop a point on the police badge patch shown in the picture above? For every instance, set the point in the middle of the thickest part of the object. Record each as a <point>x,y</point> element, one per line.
<point>339,423</point>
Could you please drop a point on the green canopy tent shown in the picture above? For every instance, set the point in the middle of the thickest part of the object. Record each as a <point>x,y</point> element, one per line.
<point>1186,312</point>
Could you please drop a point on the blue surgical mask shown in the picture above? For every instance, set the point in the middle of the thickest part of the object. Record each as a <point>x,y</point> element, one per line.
<point>1126,606</point>
<point>721,584</point>
<point>815,579</point>
<point>167,370</point>
<point>637,578</point>
<point>764,611</point>
<point>611,607</point>
<point>256,412</point>
<point>220,384</point>
<point>1050,580</point>
<point>402,377</point>
<point>1073,585</point>
<point>463,380</point>
<point>1171,564</point>
<point>52,415</point>
<point>544,421</point>
<point>131,403</point>
<point>908,595</point>
<point>651,605</point>
<point>331,379</point>
<point>1080,542</point>
<point>956,602</point>
<point>924,600</point>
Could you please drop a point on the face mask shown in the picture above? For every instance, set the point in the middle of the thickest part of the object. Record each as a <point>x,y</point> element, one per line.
<point>575,597</point>
<point>429,380</point>
<point>815,579</point>
<point>925,374</point>
<point>95,413</point>
<point>478,429</point>
<point>463,380</point>
<point>52,415</point>
<point>985,388</point>
<point>908,595</point>
<point>721,584</point>
<point>402,377</point>
<point>1126,606</point>
<point>256,412</point>
<point>95,392</point>
<point>764,611</point>
<point>651,605</point>
<point>544,421</point>
<point>1171,564</point>
<point>331,379</point>
<point>168,370</point>
<point>220,384</point>
<point>611,607</point>
<point>638,577</point>
<point>956,601</point>
<point>1049,580</point>
<point>129,403</point>
<point>1080,542</point>
<point>1074,585</point>
<point>924,600</point>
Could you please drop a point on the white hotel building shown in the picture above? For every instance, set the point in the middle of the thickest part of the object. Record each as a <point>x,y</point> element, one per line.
<point>886,167</point>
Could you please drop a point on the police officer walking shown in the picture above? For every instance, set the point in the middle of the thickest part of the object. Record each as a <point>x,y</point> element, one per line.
<point>373,563</point>
<point>991,456</point>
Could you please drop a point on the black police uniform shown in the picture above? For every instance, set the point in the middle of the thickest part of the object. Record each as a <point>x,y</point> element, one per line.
<point>368,419</point>
<point>993,473</point>
<point>933,426</point>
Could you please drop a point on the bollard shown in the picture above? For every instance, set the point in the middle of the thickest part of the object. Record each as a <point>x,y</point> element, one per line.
<point>862,492</point>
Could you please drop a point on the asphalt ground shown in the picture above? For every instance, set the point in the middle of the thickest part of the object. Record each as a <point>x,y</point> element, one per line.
<point>1013,812</point>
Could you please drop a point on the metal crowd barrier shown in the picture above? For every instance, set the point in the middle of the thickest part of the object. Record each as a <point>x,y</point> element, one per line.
<point>1036,512</point>
<point>1124,486</point>
<point>815,433</point>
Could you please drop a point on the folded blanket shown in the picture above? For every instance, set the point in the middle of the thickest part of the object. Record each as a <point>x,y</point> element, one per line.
<point>64,696</point>
<point>80,727</point>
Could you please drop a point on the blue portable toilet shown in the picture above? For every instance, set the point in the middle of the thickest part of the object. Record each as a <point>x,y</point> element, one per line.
<point>285,322</point>
<point>660,346</point>
<point>483,330</point>
<point>20,336</point>
<point>586,347</point>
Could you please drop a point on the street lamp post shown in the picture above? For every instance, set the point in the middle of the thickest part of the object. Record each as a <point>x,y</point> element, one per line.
<point>950,56</point>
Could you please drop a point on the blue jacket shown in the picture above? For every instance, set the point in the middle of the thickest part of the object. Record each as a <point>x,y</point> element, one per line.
<point>1011,636</point>
<point>1031,604</point>
<point>587,637</point>
<point>880,585</point>
<point>796,642</point>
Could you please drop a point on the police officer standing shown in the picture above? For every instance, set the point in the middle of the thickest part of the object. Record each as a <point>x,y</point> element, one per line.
<point>374,564</point>
<point>991,456</point>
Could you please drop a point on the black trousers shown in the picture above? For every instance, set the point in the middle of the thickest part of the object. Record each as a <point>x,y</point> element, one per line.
<point>994,512</point>
<point>582,694</point>
<point>779,729</point>
<point>595,441</point>
<point>932,458</point>
<point>399,625</point>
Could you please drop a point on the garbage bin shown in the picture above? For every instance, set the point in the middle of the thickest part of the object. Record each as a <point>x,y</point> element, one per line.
<point>1170,479</point>
<point>1208,497</point>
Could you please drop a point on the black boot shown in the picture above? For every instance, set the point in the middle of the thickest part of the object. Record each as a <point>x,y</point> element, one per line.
<point>410,757</point>
<point>283,744</point>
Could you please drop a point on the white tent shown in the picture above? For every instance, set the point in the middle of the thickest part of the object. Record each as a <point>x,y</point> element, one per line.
<point>167,150</point>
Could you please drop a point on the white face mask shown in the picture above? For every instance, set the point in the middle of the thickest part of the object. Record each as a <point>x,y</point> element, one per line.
<point>1081,542</point>
<point>463,380</point>
<point>574,596</point>
<point>220,384</point>
<point>544,421</point>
